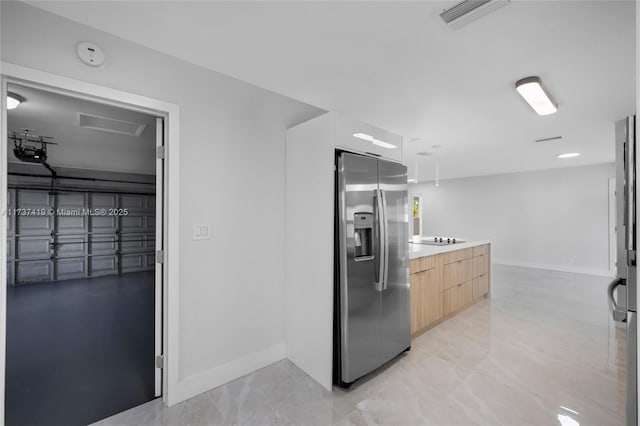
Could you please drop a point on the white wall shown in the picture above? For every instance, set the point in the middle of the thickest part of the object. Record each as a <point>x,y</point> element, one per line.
<point>552,219</point>
<point>309,247</point>
<point>232,176</point>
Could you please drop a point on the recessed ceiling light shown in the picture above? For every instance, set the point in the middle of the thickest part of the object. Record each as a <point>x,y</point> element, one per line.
<point>384,144</point>
<point>424,153</point>
<point>13,100</point>
<point>530,88</point>
<point>569,155</point>
<point>369,138</point>
<point>363,136</point>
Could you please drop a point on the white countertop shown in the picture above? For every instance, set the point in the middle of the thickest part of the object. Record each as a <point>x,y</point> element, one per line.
<point>421,250</point>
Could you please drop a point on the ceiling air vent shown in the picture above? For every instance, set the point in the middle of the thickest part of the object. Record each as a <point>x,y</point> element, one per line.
<point>110,125</point>
<point>554,138</point>
<point>469,10</point>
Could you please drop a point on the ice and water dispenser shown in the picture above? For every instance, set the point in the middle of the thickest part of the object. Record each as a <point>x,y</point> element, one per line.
<point>363,235</point>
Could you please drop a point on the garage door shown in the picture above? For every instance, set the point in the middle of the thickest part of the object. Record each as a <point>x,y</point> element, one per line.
<point>78,234</point>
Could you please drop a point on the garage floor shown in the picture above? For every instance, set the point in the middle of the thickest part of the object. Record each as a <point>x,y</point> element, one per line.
<point>79,350</point>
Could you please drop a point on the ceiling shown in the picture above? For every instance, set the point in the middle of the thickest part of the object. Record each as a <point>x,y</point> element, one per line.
<point>394,65</point>
<point>56,115</point>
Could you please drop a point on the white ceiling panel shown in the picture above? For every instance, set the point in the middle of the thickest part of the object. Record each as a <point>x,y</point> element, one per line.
<point>394,65</point>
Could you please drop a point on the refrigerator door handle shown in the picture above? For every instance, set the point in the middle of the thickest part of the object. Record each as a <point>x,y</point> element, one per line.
<point>630,160</point>
<point>385,244</point>
<point>379,280</point>
<point>619,315</point>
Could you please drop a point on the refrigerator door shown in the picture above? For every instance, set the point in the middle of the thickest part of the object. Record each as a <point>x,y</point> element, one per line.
<point>630,210</point>
<point>359,295</point>
<point>395,321</point>
<point>632,369</point>
<point>626,207</point>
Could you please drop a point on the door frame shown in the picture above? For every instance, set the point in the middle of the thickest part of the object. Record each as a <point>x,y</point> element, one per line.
<point>11,73</point>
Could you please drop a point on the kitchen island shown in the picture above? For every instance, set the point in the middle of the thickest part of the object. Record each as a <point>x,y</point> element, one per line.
<point>446,279</point>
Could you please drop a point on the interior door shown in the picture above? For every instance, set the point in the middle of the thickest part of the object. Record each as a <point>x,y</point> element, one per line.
<point>395,329</point>
<point>359,297</point>
<point>159,245</point>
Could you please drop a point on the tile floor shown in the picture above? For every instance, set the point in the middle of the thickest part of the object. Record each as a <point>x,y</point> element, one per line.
<point>542,351</point>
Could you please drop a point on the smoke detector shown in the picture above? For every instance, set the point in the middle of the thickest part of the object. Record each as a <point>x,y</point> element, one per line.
<point>462,13</point>
<point>90,54</point>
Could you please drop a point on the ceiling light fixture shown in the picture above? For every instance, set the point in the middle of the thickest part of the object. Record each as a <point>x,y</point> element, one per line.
<point>531,89</point>
<point>369,138</point>
<point>13,100</point>
<point>411,180</point>
<point>569,155</point>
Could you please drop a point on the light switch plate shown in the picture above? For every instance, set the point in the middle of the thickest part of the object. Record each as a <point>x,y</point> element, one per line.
<point>201,231</point>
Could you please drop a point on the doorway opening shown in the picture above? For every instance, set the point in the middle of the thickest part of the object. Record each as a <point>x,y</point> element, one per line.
<point>416,214</point>
<point>84,228</point>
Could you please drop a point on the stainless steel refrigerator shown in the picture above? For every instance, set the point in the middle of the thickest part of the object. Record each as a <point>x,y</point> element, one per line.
<point>622,290</point>
<point>371,314</point>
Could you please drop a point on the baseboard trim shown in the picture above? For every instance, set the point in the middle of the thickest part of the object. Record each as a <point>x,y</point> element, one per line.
<point>197,384</point>
<point>559,268</point>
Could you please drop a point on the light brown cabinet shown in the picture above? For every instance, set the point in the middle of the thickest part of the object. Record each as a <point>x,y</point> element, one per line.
<point>480,272</point>
<point>422,264</point>
<point>426,295</point>
<point>480,265</point>
<point>457,273</point>
<point>456,256</point>
<point>456,298</point>
<point>444,284</point>
<point>480,286</point>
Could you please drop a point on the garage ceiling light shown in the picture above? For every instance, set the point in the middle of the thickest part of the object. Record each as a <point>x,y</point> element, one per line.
<point>13,100</point>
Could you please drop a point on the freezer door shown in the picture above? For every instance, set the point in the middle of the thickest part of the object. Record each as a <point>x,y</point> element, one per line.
<point>621,192</point>
<point>359,304</point>
<point>395,321</point>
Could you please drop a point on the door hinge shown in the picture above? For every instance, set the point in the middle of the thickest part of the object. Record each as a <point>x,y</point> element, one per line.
<point>160,152</point>
<point>160,256</point>
<point>160,361</point>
